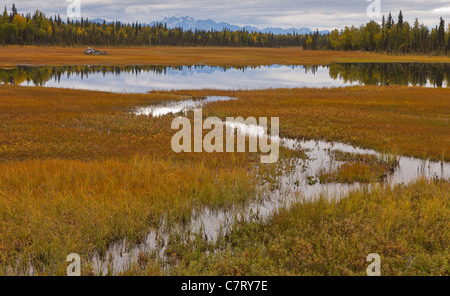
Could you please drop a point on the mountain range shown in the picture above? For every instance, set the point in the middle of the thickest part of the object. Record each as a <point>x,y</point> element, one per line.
<point>189,23</point>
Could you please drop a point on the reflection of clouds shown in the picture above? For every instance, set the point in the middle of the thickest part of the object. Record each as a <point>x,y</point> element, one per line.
<point>201,78</point>
<point>178,106</point>
<point>298,77</point>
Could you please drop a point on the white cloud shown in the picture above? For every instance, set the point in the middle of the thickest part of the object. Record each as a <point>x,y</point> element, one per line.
<point>445,10</point>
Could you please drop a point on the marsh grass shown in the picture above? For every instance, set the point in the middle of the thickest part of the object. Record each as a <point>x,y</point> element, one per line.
<point>51,208</point>
<point>406,225</point>
<point>78,171</point>
<point>409,121</point>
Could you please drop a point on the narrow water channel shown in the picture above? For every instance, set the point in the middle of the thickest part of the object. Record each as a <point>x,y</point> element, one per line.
<point>292,185</point>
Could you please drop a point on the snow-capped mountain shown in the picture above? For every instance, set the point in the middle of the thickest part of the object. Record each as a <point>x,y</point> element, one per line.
<point>189,23</point>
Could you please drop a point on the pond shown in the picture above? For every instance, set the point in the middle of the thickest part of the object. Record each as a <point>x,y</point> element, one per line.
<point>142,79</point>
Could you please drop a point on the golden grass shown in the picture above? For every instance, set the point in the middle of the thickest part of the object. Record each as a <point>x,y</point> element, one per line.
<point>356,172</point>
<point>400,120</point>
<point>42,122</point>
<point>78,171</point>
<point>407,226</point>
<point>213,56</point>
<point>51,208</point>
<point>37,123</point>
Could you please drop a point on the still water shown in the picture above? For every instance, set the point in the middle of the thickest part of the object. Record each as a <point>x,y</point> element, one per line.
<point>142,79</point>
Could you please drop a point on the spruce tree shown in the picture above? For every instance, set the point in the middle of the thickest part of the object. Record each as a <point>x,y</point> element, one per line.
<point>400,19</point>
<point>14,10</point>
<point>441,35</point>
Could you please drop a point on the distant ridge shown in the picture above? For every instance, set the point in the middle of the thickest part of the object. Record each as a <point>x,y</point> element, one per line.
<point>189,23</point>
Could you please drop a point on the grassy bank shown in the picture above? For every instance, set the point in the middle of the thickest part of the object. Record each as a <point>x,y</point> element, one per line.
<point>213,56</point>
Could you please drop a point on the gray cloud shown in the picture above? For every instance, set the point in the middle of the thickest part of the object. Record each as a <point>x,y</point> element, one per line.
<point>319,14</point>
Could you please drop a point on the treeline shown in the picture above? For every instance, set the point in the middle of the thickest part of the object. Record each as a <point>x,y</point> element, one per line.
<point>37,29</point>
<point>393,37</point>
<point>390,36</point>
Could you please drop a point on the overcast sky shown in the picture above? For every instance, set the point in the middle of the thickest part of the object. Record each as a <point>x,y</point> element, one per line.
<point>314,14</point>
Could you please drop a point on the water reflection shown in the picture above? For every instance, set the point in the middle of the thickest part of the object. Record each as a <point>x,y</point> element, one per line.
<point>416,74</point>
<point>141,79</point>
<point>184,104</point>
